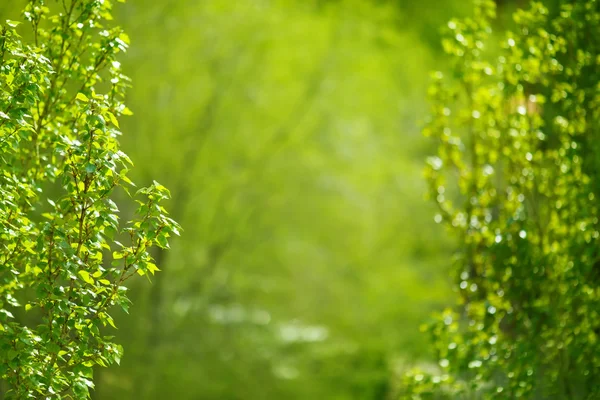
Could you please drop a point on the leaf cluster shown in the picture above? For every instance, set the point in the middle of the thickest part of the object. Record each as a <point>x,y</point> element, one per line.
<point>517,179</point>
<point>61,97</point>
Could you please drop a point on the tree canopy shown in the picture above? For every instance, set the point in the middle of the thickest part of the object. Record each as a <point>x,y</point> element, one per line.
<point>289,136</point>
<point>63,269</point>
<point>516,179</point>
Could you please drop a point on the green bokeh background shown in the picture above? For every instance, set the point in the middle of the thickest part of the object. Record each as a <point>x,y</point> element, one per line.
<point>288,133</point>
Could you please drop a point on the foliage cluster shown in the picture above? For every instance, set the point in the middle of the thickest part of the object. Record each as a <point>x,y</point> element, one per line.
<point>517,179</point>
<point>64,254</point>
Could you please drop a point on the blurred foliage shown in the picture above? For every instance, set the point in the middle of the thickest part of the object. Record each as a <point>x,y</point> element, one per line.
<point>287,132</point>
<point>516,179</point>
<point>61,94</point>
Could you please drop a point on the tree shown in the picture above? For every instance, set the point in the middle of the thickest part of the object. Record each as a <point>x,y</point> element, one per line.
<point>65,256</point>
<point>517,179</point>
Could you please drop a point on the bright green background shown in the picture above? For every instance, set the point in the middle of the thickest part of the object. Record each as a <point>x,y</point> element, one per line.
<point>288,133</point>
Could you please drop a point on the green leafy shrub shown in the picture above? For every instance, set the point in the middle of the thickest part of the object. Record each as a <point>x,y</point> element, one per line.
<point>62,268</point>
<point>517,179</point>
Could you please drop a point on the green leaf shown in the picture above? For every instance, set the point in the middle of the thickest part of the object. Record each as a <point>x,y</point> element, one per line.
<point>86,277</point>
<point>152,268</point>
<point>126,111</point>
<point>113,119</point>
<point>82,97</point>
